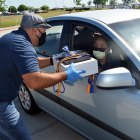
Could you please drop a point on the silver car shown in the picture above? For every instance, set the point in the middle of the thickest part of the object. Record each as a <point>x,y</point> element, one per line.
<point>112,112</point>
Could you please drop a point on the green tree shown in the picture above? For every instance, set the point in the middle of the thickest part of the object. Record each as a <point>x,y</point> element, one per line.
<point>31,9</point>
<point>99,3</point>
<point>36,10</point>
<point>126,1</point>
<point>89,2</point>
<point>83,5</point>
<point>77,2</point>
<point>22,8</point>
<point>2,9</point>
<point>12,9</point>
<point>2,5</point>
<point>2,2</point>
<point>45,7</point>
<point>113,3</point>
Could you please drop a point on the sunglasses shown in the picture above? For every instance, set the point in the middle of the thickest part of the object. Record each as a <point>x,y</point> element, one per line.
<point>100,49</point>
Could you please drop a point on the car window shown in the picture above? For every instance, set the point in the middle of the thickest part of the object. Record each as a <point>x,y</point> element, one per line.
<point>82,38</point>
<point>130,31</point>
<point>52,42</point>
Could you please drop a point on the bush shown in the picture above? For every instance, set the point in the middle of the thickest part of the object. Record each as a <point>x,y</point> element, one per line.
<point>53,9</point>
<point>86,8</point>
<point>69,9</point>
<point>78,8</point>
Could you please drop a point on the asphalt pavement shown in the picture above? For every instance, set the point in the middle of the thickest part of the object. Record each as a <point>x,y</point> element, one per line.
<point>42,126</point>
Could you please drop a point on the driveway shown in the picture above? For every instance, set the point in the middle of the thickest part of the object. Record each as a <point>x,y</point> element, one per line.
<point>45,127</point>
<point>7,30</point>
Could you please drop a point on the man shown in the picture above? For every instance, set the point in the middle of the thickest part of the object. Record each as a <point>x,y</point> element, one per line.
<point>19,63</point>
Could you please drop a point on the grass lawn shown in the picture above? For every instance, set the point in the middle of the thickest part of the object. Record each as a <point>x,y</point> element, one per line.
<point>14,20</point>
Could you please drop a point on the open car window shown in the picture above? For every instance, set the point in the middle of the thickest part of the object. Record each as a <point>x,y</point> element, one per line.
<point>51,46</point>
<point>82,38</point>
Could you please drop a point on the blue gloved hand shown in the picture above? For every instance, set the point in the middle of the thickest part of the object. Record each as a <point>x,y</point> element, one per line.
<point>72,74</point>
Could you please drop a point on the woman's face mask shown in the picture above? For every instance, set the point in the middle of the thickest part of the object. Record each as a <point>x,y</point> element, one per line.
<point>42,38</point>
<point>99,54</point>
<point>101,48</point>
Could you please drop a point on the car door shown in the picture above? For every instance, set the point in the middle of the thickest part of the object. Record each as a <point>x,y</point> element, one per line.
<point>106,113</point>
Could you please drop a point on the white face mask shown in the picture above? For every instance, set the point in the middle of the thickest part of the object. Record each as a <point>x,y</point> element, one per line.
<point>99,54</point>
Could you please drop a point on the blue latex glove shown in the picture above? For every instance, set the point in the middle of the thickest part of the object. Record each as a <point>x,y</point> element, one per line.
<point>72,74</point>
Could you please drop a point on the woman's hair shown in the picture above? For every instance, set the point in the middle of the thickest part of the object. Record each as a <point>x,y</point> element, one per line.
<point>98,36</point>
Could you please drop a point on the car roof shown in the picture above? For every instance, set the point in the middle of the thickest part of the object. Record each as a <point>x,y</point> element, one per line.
<point>106,16</point>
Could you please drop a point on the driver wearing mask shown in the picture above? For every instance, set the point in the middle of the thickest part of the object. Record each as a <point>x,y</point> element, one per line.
<point>102,52</point>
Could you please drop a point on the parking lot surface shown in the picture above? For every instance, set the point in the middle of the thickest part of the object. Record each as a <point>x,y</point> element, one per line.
<point>45,127</point>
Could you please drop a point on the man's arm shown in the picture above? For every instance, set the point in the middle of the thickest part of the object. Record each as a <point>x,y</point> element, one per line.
<point>39,80</point>
<point>44,62</point>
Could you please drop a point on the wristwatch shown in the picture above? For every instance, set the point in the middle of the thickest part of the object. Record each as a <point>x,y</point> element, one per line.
<point>51,60</point>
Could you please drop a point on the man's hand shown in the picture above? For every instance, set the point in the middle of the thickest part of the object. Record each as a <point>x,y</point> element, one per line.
<point>72,74</point>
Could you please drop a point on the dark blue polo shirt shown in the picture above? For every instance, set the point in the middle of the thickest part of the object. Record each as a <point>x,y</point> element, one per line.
<point>17,57</point>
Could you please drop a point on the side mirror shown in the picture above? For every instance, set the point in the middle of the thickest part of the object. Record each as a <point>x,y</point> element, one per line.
<point>114,78</point>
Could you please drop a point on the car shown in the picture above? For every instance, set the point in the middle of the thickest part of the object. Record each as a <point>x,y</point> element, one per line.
<point>123,7</point>
<point>112,112</point>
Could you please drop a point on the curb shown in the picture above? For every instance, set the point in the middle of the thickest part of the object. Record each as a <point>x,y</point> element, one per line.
<point>8,28</point>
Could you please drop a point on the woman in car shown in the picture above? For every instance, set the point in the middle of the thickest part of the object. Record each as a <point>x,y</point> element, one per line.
<point>103,53</point>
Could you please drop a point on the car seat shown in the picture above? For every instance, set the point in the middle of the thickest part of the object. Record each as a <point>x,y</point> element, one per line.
<point>83,40</point>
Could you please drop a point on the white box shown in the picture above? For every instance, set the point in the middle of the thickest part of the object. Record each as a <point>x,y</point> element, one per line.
<point>90,66</point>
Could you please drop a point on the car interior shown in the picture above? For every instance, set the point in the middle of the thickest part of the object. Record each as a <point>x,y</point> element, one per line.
<point>83,39</point>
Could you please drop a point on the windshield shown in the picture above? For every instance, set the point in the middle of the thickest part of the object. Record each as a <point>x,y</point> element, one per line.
<point>130,31</point>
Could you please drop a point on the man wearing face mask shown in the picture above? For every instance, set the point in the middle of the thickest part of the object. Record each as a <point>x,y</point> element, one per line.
<point>102,52</point>
<point>19,62</point>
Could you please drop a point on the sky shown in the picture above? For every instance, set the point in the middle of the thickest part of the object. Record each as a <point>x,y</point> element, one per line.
<point>39,3</point>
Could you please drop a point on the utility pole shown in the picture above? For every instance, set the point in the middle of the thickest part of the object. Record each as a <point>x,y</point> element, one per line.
<point>9,7</point>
